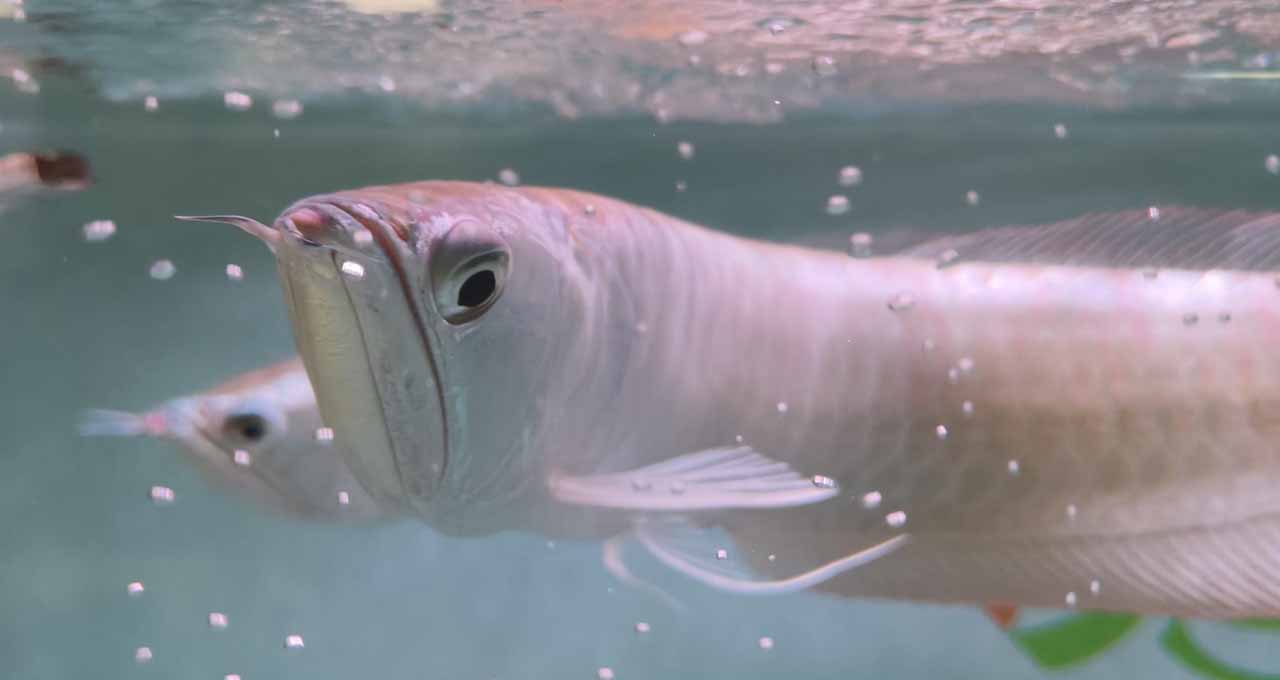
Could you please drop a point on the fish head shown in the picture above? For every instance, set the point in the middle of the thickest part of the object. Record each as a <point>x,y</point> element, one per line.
<point>428,320</point>
<point>221,434</point>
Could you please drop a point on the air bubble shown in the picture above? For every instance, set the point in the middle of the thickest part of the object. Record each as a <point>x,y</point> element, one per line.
<point>965,364</point>
<point>722,554</point>
<point>1060,131</point>
<point>782,407</point>
<point>354,270</point>
<point>604,673</point>
<point>850,176</point>
<point>641,484</point>
<point>162,270</point>
<point>1224,317</point>
<point>387,84</point>
<point>344,498</point>
<point>150,103</point>
<point>99,230</point>
<point>1153,213</point>
<point>294,642</point>
<point>737,438</point>
<point>362,237</point>
<point>642,627</point>
<point>1070,599</point>
<point>1014,468</point>
<point>971,197</point>
<point>896,519</point>
<point>589,209</point>
<point>948,256</point>
<point>1150,273</point>
<point>686,150</point>
<point>837,205</point>
<point>1071,511</point>
<point>1273,164</point>
<point>940,431</point>
<point>1190,319</point>
<point>231,676</point>
<point>242,458</point>
<point>324,434</point>
<point>902,302</point>
<point>142,655</point>
<point>871,500</point>
<point>824,66</point>
<point>237,101</point>
<point>1095,587</point>
<point>765,643</point>
<point>136,588</point>
<point>162,495</point>
<point>824,482</point>
<point>286,108</point>
<point>217,620</point>
<point>860,244</point>
<point>508,177</point>
<point>234,272</point>
<point>693,38</point>
<point>681,185</point>
<point>966,408</point>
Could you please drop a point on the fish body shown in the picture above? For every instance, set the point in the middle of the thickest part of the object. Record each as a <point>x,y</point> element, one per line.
<point>1039,427</point>
<point>256,435</point>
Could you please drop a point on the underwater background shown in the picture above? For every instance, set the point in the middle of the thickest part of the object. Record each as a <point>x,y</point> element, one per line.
<point>384,95</point>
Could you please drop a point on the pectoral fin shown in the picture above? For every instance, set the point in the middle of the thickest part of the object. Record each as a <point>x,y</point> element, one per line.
<point>686,548</point>
<point>715,479</point>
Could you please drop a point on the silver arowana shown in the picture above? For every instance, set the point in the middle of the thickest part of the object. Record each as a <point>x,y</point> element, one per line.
<point>255,435</point>
<point>1085,413</point>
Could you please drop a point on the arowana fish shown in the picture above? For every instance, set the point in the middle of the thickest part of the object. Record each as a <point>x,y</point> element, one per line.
<point>256,435</point>
<point>1082,414</point>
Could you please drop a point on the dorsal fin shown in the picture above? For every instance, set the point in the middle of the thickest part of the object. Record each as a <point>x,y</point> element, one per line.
<point>1169,237</point>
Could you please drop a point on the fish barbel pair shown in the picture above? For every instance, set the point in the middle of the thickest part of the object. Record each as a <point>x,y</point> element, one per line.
<point>1084,413</point>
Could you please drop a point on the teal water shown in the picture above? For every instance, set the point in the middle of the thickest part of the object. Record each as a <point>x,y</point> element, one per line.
<point>85,326</point>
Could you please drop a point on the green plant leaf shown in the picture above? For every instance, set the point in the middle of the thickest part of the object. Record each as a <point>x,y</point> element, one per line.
<point>1077,638</point>
<point>1177,640</point>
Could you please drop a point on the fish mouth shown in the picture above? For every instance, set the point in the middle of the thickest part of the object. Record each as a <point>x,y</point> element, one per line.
<point>359,330</point>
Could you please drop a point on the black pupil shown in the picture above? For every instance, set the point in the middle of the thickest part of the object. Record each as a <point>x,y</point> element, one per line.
<point>475,291</point>
<point>248,427</point>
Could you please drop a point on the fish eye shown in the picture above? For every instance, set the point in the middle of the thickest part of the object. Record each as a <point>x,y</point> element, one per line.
<point>477,289</point>
<point>247,427</point>
<point>469,268</point>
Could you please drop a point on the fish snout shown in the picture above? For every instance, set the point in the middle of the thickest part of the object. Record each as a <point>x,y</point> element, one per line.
<point>312,226</point>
